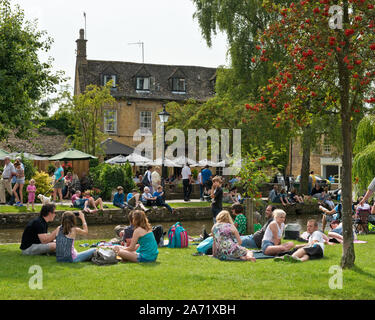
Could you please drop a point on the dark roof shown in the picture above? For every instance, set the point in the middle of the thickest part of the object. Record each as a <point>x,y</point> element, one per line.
<point>113,147</point>
<point>198,80</point>
<point>44,142</point>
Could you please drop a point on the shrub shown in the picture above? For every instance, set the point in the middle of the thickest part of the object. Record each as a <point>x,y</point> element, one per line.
<point>29,167</point>
<point>194,173</point>
<point>107,177</point>
<point>93,163</point>
<point>43,183</point>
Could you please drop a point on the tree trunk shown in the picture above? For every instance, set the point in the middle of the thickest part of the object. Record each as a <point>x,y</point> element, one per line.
<point>348,254</point>
<point>305,169</point>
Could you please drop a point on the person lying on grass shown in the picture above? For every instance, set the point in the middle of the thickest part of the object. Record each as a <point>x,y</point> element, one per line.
<point>143,246</point>
<point>313,250</point>
<point>271,243</point>
<point>336,232</point>
<point>224,235</point>
<point>66,235</point>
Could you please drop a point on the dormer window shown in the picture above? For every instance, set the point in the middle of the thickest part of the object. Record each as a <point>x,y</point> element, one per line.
<point>107,78</point>
<point>178,85</point>
<point>143,83</point>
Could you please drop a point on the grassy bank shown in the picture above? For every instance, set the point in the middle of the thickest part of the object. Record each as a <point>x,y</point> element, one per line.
<point>179,275</point>
<point>14,209</point>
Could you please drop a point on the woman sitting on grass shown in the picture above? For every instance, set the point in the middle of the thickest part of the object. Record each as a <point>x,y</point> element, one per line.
<point>143,246</point>
<point>66,235</point>
<point>271,243</point>
<point>224,236</point>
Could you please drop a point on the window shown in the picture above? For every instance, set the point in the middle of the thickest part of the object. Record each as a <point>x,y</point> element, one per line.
<point>145,121</point>
<point>107,78</point>
<point>326,149</point>
<point>110,121</point>
<point>143,83</point>
<point>178,84</point>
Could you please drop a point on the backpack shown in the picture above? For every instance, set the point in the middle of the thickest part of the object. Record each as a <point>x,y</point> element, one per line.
<point>291,231</point>
<point>103,257</point>
<point>145,180</point>
<point>206,246</point>
<point>159,235</point>
<point>177,236</point>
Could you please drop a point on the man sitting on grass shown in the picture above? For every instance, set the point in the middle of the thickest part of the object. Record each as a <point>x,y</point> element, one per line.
<point>35,239</point>
<point>255,240</point>
<point>313,250</point>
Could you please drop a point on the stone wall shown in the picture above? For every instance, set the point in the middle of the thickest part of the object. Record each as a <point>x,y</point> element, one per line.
<point>118,216</point>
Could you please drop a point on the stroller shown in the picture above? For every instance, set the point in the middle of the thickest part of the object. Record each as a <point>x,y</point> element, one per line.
<point>361,220</point>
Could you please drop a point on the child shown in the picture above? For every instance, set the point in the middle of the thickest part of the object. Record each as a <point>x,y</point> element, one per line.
<point>284,197</point>
<point>216,196</point>
<point>31,189</point>
<point>159,193</point>
<point>66,235</point>
<point>119,198</point>
<point>127,233</point>
<point>240,221</point>
<point>143,246</point>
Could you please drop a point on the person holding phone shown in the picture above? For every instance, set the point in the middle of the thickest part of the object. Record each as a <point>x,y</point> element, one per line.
<point>65,251</point>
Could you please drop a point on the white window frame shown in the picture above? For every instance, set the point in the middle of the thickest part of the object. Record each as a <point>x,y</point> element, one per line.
<point>145,85</point>
<point>109,77</point>
<point>106,121</point>
<point>177,82</point>
<point>142,121</point>
<point>327,149</point>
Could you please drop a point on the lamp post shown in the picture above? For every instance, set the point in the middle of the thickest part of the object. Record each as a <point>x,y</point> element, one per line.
<point>163,116</point>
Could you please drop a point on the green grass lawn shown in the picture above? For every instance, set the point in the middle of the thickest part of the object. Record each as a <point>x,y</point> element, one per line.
<point>179,275</point>
<point>14,209</point>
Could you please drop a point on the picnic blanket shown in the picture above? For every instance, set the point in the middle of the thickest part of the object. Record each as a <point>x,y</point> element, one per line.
<point>257,255</point>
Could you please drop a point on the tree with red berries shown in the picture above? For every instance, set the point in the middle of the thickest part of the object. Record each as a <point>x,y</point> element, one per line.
<point>328,68</point>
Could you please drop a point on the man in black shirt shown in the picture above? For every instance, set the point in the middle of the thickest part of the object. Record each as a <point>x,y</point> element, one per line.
<point>35,238</point>
<point>255,240</point>
<point>217,197</point>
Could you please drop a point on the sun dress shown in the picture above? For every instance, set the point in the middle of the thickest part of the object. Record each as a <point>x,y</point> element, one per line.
<point>226,247</point>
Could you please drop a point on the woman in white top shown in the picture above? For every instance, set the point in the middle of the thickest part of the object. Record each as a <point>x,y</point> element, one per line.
<point>271,243</point>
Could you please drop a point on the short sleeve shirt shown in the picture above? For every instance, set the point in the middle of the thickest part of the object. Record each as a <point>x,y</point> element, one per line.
<point>317,236</point>
<point>186,172</point>
<point>241,223</point>
<point>30,235</point>
<point>58,173</point>
<point>206,174</point>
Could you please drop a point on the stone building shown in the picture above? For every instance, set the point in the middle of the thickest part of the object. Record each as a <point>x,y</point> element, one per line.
<point>323,160</point>
<point>140,90</point>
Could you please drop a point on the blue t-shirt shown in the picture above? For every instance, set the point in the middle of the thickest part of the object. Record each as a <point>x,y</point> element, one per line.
<point>206,174</point>
<point>157,194</point>
<point>129,196</point>
<point>119,198</point>
<point>58,173</point>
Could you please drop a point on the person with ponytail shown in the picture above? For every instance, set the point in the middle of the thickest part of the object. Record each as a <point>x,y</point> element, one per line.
<point>143,246</point>
<point>66,235</point>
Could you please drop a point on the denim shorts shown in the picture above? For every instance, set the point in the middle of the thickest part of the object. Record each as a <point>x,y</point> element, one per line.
<point>248,242</point>
<point>266,244</point>
<point>140,258</point>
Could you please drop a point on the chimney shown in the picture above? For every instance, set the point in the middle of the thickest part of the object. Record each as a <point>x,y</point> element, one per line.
<point>81,48</point>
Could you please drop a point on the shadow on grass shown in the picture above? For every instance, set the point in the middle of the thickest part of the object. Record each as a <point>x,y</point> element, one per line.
<point>362,272</point>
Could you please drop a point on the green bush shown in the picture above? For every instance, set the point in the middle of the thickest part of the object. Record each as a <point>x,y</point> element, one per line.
<point>107,177</point>
<point>29,167</point>
<point>51,169</point>
<point>93,163</point>
<point>43,183</point>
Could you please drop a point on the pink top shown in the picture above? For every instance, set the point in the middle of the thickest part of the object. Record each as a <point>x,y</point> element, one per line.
<point>74,198</point>
<point>31,188</point>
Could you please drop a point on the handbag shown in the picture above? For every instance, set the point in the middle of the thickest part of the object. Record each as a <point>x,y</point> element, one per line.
<point>103,257</point>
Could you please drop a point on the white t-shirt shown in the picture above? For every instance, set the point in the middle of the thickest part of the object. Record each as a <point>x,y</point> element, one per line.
<point>317,236</point>
<point>186,172</point>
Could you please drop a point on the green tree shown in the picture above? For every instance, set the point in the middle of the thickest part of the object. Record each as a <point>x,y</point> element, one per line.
<point>87,115</point>
<point>24,79</point>
<point>331,68</point>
